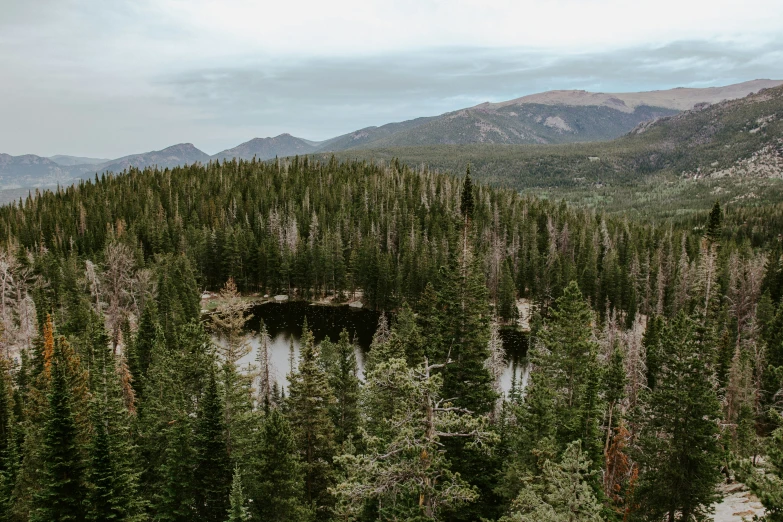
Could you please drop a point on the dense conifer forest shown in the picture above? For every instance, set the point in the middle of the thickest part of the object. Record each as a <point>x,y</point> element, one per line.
<point>656,352</point>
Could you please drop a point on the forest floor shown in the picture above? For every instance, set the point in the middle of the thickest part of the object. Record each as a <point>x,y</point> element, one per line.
<point>737,504</point>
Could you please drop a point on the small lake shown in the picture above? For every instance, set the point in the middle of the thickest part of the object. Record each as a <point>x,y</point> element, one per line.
<point>284,324</point>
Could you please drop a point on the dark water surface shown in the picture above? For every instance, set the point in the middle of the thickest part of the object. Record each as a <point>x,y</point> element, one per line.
<point>284,323</point>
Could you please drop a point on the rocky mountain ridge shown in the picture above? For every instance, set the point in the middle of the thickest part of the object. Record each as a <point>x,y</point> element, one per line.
<point>551,117</point>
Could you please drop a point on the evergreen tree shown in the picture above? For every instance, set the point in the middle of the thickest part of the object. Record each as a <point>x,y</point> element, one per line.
<point>342,372</point>
<point>405,475</point>
<point>768,486</point>
<point>569,360</point>
<point>562,494</point>
<point>149,337</point>
<point>62,495</point>
<point>714,224</point>
<point>276,478</point>
<point>310,400</point>
<point>678,447</point>
<point>113,479</point>
<point>406,338</point>
<point>466,202</point>
<point>212,473</point>
<point>9,456</point>
<point>238,511</point>
<point>507,295</point>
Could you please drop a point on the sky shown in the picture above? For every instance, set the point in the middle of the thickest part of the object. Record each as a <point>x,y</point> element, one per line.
<point>109,78</point>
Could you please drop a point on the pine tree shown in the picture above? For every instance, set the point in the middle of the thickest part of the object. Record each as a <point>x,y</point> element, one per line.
<point>406,337</point>
<point>276,476</point>
<point>678,447</point>
<point>561,494</point>
<point>714,224</point>
<point>238,511</point>
<point>9,457</point>
<point>406,475</point>
<point>174,490</point>
<point>113,479</point>
<point>229,323</point>
<point>570,360</point>
<point>466,202</point>
<point>176,384</point>
<point>768,486</point>
<point>212,468</point>
<point>342,372</point>
<point>62,494</point>
<point>507,295</point>
<point>149,337</point>
<point>309,401</point>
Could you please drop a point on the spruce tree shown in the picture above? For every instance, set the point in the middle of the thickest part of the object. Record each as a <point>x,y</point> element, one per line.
<point>561,494</point>
<point>714,224</point>
<point>405,475</point>
<point>63,493</point>
<point>571,363</point>
<point>275,479</point>
<point>149,337</point>
<point>112,476</point>
<point>342,372</point>
<point>237,511</point>
<point>678,455</point>
<point>9,456</point>
<point>212,473</point>
<point>309,402</point>
<point>768,486</point>
<point>406,337</point>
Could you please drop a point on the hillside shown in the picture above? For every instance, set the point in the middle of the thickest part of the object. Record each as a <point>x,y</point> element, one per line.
<point>70,161</point>
<point>183,153</point>
<point>730,150</point>
<point>553,119</point>
<point>29,171</point>
<point>268,148</point>
<point>678,99</point>
<point>545,118</point>
<point>528,124</point>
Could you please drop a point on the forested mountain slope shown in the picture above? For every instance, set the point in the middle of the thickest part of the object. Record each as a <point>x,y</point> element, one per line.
<point>734,150</point>
<point>550,117</point>
<point>657,351</point>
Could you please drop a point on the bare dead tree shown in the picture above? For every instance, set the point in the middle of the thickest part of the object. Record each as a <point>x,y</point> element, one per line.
<point>117,283</point>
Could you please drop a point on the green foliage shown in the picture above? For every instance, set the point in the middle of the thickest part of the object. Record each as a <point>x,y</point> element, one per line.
<point>238,511</point>
<point>9,455</point>
<point>113,493</point>
<point>403,474</point>
<point>343,375</point>
<point>466,202</point>
<point>768,486</point>
<point>561,494</point>
<point>63,494</point>
<point>212,471</point>
<point>678,454</point>
<point>275,477</point>
<point>569,360</point>
<point>310,400</point>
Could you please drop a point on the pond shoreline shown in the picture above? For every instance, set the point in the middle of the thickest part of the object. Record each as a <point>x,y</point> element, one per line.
<point>210,301</point>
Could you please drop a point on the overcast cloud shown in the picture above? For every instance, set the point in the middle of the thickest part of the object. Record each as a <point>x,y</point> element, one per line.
<point>105,79</point>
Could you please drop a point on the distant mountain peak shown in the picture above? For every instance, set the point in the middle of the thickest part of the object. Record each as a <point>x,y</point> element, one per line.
<point>267,148</point>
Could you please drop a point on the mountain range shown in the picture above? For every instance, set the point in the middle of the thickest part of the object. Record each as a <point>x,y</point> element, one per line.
<point>553,117</point>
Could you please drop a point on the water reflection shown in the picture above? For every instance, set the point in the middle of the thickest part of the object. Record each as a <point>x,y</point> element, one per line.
<point>284,323</point>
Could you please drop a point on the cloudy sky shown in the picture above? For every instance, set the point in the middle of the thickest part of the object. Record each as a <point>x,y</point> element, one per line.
<point>109,78</point>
